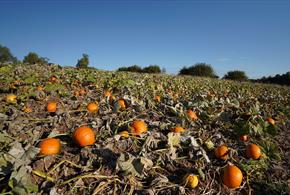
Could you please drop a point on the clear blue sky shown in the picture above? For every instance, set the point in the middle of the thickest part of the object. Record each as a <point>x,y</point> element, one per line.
<point>250,35</point>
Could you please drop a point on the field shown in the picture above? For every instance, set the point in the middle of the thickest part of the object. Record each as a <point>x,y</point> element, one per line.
<point>154,162</point>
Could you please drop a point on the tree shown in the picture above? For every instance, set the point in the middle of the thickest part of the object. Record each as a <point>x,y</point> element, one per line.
<point>283,79</point>
<point>6,55</point>
<point>236,75</point>
<point>83,62</point>
<point>184,71</point>
<point>34,58</point>
<point>152,69</point>
<point>134,68</point>
<point>199,69</point>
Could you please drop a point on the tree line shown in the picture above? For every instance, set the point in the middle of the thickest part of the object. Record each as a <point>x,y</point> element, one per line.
<point>198,69</point>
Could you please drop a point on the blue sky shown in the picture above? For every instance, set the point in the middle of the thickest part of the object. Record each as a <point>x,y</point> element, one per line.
<point>253,36</point>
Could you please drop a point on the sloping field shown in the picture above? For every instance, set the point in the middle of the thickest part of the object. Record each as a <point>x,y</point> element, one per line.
<point>125,157</point>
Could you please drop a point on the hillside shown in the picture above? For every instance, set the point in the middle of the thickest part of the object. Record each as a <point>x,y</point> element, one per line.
<point>154,162</point>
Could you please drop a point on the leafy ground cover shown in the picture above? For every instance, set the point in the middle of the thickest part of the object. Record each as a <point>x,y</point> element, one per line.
<point>157,160</point>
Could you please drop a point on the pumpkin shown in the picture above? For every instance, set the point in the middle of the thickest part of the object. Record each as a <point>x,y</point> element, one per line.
<point>221,152</point>
<point>178,129</point>
<point>84,136</point>
<point>157,98</point>
<point>27,109</point>
<point>124,134</point>
<point>271,121</point>
<point>138,127</point>
<point>122,104</point>
<point>50,146</point>
<point>107,93</point>
<point>232,176</point>
<point>11,98</point>
<point>191,181</point>
<point>51,106</point>
<point>92,107</point>
<point>39,88</point>
<point>253,151</point>
<point>82,92</point>
<point>244,138</point>
<point>53,79</point>
<point>192,115</point>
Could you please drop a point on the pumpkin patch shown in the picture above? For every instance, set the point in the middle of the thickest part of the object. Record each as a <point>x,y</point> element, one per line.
<point>85,131</point>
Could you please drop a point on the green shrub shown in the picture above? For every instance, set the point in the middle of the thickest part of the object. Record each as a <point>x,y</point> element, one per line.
<point>283,79</point>
<point>236,75</point>
<point>6,55</point>
<point>33,58</point>
<point>199,69</point>
<point>83,62</point>
<point>134,68</point>
<point>152,69</point>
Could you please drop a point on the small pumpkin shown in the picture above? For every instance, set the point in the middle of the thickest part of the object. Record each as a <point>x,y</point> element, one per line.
<point>11,98</point>
<point>191,181</point>
<point>178,129</point>
<point>192,115</point>
<point>253,151</point>
<point>271,121</point>
<point>84,136</point>
<point>50,146</point>
<point>243,138</point>
<point>138,127</point>
<point>53,79</point>
<point>51,106</point>
<point>157,98</point>
<point>92,107</point>
<point>27,109</point>
<point>122,104</point>
<point>221,152</point>
<point>82,91</point>
<point>39,88</point>
<point>124,134</point>
<point>107,93</point>
<point>232,176</point>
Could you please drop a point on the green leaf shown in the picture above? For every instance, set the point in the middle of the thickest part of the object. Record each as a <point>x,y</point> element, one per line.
<point>209,144</point>
<point>134,166</point>
<point>4,138</point>
<point>54,87</point>
<point>21,183</point>
<point>173,139</point>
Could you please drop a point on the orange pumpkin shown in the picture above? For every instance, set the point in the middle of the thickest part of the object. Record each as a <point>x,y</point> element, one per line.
<point>138,127</point>
<point>221,152</point>
<point>107,93</point>
<point>76,93</point>
<point>271,121</point>
<point>39,88</point>
<point>92,107</point>
<point>11,98</point>
<point>232,176</point>
<point>178,129</point>
<point>27,109</point>
<point>53,79</point>
<point>122,104</point>
<point>82,92</point>
<point>51,106</point>
<point>253,151</point>
<point>84,136</point>
<point>192,115</point>
<point>157,98</point>
<point>50,146</point>
<point>244,138</point>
